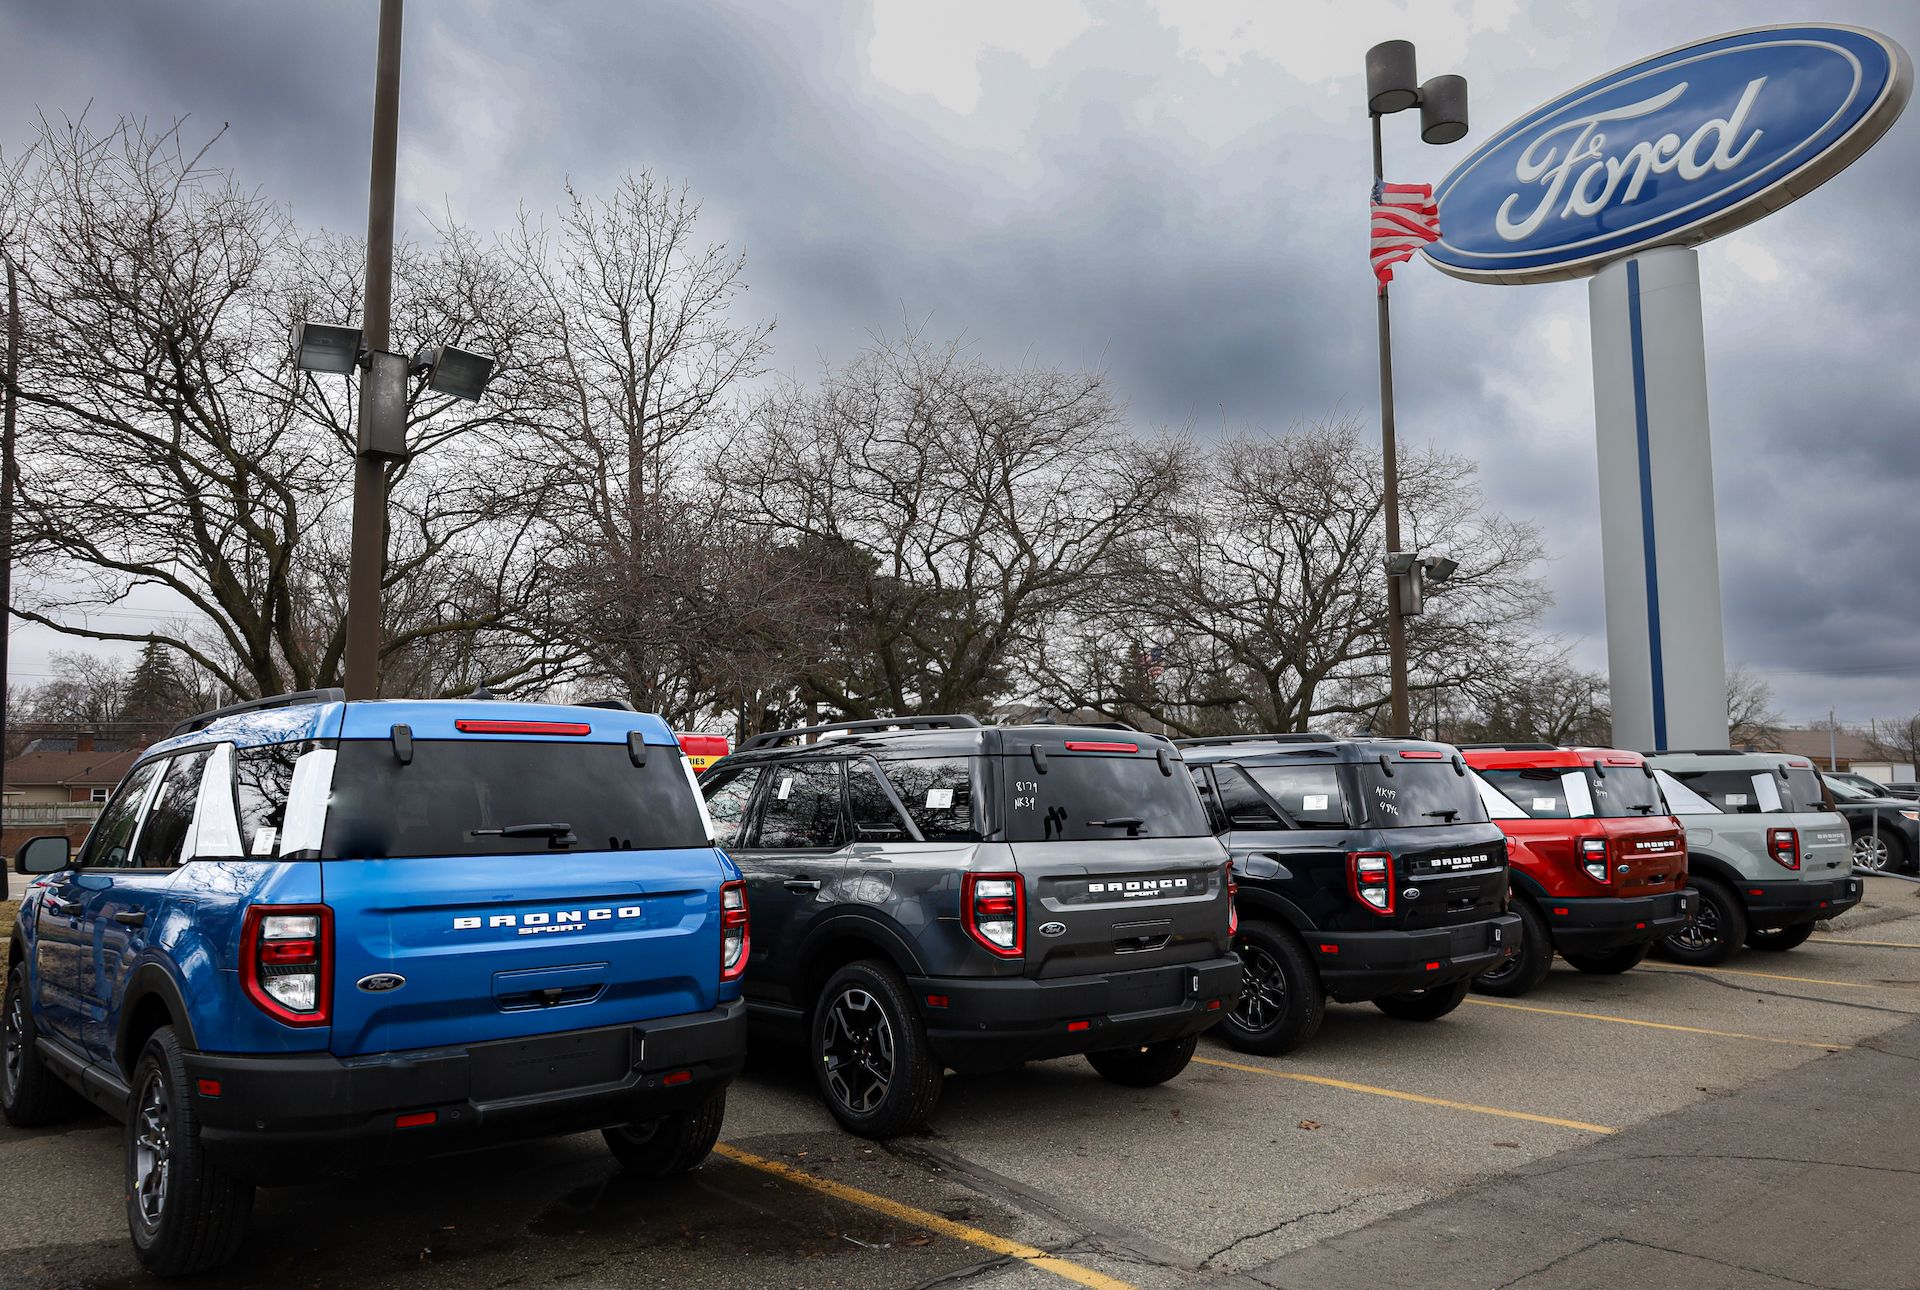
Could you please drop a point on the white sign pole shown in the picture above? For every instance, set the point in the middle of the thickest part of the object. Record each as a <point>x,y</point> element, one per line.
<point>1664,652</point>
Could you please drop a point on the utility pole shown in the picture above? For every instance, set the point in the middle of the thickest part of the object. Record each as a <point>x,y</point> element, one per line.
<point>383,388</point>
<point>9,481</point>
<point>1397,717</point>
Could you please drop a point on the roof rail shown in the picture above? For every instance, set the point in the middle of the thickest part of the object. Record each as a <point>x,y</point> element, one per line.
<point>1516,747</point>
<point>617,705</point>
<point>1286,737</point>
<point>332,694</point>
<point>1085,725</point>
<point>1696,752</point>
<point>769,738</point>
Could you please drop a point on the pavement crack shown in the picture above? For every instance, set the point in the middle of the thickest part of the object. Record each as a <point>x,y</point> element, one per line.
<point>1237,1242</point>
<point>1723,1263</point>
<point>1784,994</point>
<point>1554,1262</point>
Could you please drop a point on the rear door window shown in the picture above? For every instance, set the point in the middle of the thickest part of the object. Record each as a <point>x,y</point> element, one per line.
<point>456,796</point>
<point>1417,794</point>
<point>1310,795</point>
<point>1735,792</point>
<point>1083,797</point>
<point>728,797</point>
<point>801,807</point>
<point>870,806</point>
<point>938,794</point>
<point>1244,805</point>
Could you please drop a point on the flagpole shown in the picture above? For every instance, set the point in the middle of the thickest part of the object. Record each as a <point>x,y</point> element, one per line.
<point>1390,471</point>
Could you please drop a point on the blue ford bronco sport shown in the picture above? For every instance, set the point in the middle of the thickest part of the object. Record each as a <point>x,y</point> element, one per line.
<point>306,933</point>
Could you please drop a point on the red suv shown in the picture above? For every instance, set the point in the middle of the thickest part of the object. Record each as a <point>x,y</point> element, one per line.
<point>1599,871</point>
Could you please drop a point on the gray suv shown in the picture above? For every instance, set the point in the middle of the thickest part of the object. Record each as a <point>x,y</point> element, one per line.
<point>1764,852</point>
<point>929,893</point>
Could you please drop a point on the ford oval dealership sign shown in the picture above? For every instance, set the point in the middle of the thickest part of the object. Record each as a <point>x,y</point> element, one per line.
<point>1676,149</point>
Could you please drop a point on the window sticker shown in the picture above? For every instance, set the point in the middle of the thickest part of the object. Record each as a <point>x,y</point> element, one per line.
<point>1313,802</point>
<point>1736,799</point>
<point>939,799</point>
<point>263,840</point>
<point>1546,803</point>
<point>786,787</point>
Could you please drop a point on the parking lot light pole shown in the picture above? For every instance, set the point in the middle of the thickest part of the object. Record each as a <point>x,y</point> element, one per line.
<point>1393,86</point>
<point>383,389</point>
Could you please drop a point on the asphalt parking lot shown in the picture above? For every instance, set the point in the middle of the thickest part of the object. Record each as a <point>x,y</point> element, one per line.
<point>1748,1125</point>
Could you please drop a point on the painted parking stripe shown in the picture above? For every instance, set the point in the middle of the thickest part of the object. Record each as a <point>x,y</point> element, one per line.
<point>1779,976</point>
<point>1030,1254</point>
<point>1878,945</point>
<point>1659,1025</point>
<point>1401,1096</point>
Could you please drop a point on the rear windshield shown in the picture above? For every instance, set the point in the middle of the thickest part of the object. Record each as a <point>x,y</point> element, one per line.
<point>444,802</point>
<point>1418,794</point>
<point>1803,790</point>
<point>1750,792</point>
<point>1084,798</point>
<point>1563,793</point>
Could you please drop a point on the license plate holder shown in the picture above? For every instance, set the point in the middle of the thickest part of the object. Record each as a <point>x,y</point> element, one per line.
<point>502,1072</point>
<point>1146,991</point>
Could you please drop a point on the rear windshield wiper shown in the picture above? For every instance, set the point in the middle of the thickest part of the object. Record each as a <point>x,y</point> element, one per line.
<point>1131,823</point>
<point>1448,816</point>
<point>559,834</point>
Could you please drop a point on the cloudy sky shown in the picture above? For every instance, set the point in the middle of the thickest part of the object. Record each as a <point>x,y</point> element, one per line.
<point>1169,190</point>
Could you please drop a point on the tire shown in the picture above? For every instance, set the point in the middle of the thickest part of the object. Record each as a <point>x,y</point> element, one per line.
<point>31,1095</point>
<point>1873,854</point>
<point>1145,1065</point>
<point>1281,1000</point>
<point>1424,1005</point>
<point>196,1216</point>
<point>1610,962</point>
<point>1512,977</point>
<point>671,1145</point>
<point>1716,930</point>
<point>1779,938</point>
<point>869,1051</point>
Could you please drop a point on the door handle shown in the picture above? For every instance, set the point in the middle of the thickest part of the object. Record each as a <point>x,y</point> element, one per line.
<point>137,918</point>
<point>800,883</point>
<point>65,908</point>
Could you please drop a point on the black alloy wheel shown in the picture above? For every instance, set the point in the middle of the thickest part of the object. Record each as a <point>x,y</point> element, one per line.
<point>871,1059</point>
<point>1282,1001</point>
<point>1716,929</point>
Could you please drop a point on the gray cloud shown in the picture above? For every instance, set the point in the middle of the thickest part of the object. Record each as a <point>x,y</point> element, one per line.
<point>1186,220</point>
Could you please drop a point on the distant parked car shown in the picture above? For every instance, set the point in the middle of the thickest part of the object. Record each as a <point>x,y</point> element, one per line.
<point>1872,787</point>
<point>1886,830</point>
<point>1909,791</point>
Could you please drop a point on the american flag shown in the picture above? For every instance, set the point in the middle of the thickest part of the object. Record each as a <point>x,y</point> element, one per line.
<point>1405,219</point>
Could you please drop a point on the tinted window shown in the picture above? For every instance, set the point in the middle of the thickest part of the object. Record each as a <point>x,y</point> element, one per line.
<point>938,793</point>
<point>801,807</point>
<point>1736,792</point>
<point>1626,790</point>
<point>1310,795</point>
<point>1216,818</point>
<point>870,806</point>
<point>1545,792</point>
<point>165,831</point>
<point>1802,791</point>
<point>261,777</point>
<point>1418,794</point>
<point>1083,798</point>
<point>432,805</point>
<point>1241,802</point>
<point>112,833</point>
<point>727,797</point>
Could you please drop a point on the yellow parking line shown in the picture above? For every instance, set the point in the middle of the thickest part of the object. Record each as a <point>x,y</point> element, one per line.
<point>1000,1245</point>
<point>1395,1093</point>
<point>1657,1025</point>
<point>1778,976</point>
<point>1879,945</point>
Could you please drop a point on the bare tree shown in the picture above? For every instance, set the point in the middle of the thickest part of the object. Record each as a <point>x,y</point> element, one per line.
<point>1254,593</point>
<point>1537,695</point>
<point>1751,718</point>
<point>960,509</point>
<point>1896,740</point>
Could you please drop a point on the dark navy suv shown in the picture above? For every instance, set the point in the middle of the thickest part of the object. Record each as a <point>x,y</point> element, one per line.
<point>306,934</point>
<point>929,893</point>
<point>1368,871</point>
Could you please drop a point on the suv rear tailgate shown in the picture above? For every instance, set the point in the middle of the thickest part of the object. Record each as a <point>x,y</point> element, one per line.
<point>1111,906</point>
<point>1458,871</point>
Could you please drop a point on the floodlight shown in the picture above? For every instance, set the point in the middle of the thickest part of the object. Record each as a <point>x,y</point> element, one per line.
<point>455,371</point>
<point>1400,563</point>
<point>322,347</point>
<point>1439,568</point>
<point>1443,109</point>
<point>1392,85</point>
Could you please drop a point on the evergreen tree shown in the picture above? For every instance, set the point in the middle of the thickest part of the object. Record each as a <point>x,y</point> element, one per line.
<point>156,694</point>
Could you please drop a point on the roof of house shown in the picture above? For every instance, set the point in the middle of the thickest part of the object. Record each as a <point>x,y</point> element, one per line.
<point>76,769</point>
<point>1848,746</point>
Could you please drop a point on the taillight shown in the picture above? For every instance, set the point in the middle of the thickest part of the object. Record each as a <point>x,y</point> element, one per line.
<point>1370,878</point>
<point>1784,846</point>
<point>736,939</point>
<point>286,954</point>
<point>476,726</point>
<point>994,908</point>
<point>1233,910</point>
<point>1593,858</point>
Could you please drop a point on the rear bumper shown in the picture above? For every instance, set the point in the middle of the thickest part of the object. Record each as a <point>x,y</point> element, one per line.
<point>1782,904</point>
<point>992,1023</point>
<point>1595,924</point>
<point>285,1118</point>
<point>1358,966</point>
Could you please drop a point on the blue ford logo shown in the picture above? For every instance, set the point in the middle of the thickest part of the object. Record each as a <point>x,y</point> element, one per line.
<point>381,982</point>
<point>1678,148</point>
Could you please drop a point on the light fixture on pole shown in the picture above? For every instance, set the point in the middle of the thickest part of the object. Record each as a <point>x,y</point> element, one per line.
<point>453,371</point>
<point>1393,85</point>
<point>321,347</point>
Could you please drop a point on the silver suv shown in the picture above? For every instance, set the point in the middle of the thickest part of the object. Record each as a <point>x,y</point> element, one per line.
<point>1766,852</point>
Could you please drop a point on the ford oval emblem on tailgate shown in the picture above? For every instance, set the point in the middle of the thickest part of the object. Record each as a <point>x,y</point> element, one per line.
<point>381,982</point>
<point>1053,929</point>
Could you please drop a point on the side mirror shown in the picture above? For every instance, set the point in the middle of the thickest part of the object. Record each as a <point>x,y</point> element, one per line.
<point>50,854</point>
